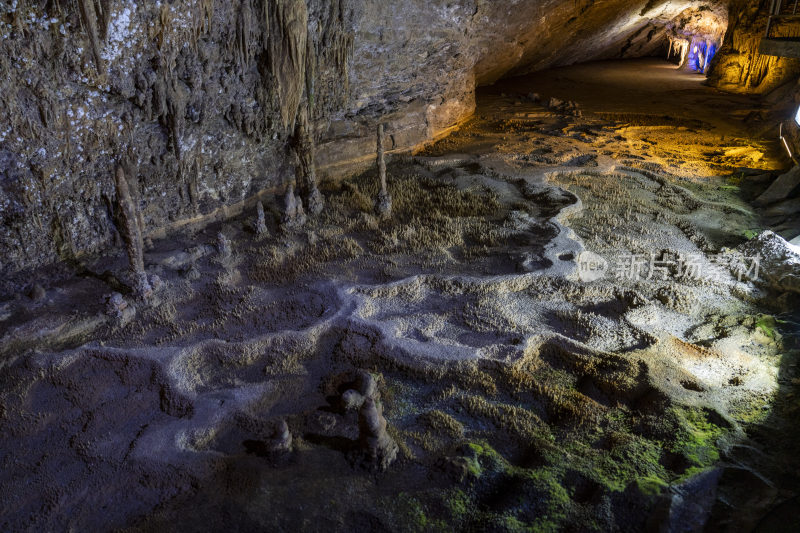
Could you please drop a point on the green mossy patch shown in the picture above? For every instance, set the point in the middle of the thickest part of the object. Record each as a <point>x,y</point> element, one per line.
<point>767,324</point>
<point>696,438</point>
<point>629,458</point>
<point>651,485</point>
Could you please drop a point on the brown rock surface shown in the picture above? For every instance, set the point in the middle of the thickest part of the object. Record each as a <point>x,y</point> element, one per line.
<point>199,99</point>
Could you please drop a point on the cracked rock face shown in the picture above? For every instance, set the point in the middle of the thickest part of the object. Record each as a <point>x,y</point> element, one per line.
<point>739,66</point>
<point>197,100</point>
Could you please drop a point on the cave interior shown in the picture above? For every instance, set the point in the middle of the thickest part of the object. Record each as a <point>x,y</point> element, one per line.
<point>441,265</point>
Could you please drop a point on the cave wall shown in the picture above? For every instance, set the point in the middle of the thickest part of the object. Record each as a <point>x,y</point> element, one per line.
<point>196,99</point>
<point>738,66</point>
<point>416,63</point>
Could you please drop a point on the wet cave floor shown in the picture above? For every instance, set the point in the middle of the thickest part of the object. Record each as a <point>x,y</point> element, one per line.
<point>530,374</point>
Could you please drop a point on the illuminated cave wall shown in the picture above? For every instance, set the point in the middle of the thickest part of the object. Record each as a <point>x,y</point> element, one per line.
<point>196,97</point>
<point>700,54</point>
<point>738,65</point>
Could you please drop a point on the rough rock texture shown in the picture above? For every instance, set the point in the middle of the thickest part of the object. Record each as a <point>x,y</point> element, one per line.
<point>197,99</point>
<point>779,262</point>
<point>738,66</point>
<point>512,395</point>
<point>378,448</point>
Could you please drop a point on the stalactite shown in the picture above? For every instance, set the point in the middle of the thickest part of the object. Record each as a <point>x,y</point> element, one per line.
<point>103,10</point>
<point>174,117</point>
<point>89,19</point>
<point>164,26</point>
<point>243,32</point>
<point>287,45</point>
<point>202,16</point>
<point>333,51</point>
<point>311,72</point>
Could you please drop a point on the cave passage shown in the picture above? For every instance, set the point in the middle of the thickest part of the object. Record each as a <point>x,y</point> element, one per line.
<point>277,265</point>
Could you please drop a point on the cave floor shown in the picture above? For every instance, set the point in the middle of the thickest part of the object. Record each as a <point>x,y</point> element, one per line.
<point>541,357</point>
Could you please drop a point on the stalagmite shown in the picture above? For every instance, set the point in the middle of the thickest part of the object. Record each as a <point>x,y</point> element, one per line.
<point>224,246</point>
<point>383,206</point>
<point>379,449</point>
<point>261,221</point>
<point>294,217</point>
<point>306,176</point>
<point>132,235</point>
<point>281,440</point>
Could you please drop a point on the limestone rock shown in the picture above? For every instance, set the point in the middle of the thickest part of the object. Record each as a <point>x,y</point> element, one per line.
<point>294,216</point>
<point>174,403</point>
<point>191,272</point>
<point>777,262</point>
<point>141,286</point>
<point>378,449</point>
<point>261,221</point>
<point>259,62</point>
<point>352,400</point>
<point>780,188</point>
<point>383,205</point>
<point>119,309</point>
<point>316,203</point>
<point>155,282</point>
<point>224,246</point>
<point>305,174</point>
<point>37,293</point>
<point>281,440</point>
<point>367,385</point>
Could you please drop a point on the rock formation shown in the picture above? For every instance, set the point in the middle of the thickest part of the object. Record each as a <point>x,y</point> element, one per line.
<point>739,66</point>
<point>261,221</point>
<point>224,247</point>
<point>281,439</point>
<point>772,262</point>
<point>383,204</point>
<point>306,173</point>
<point>119,309</point>
<point>294,216</point>
<point>781,188</point>
<point>132,235</point>
<point>378,448</point>
<point>203,95</point>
